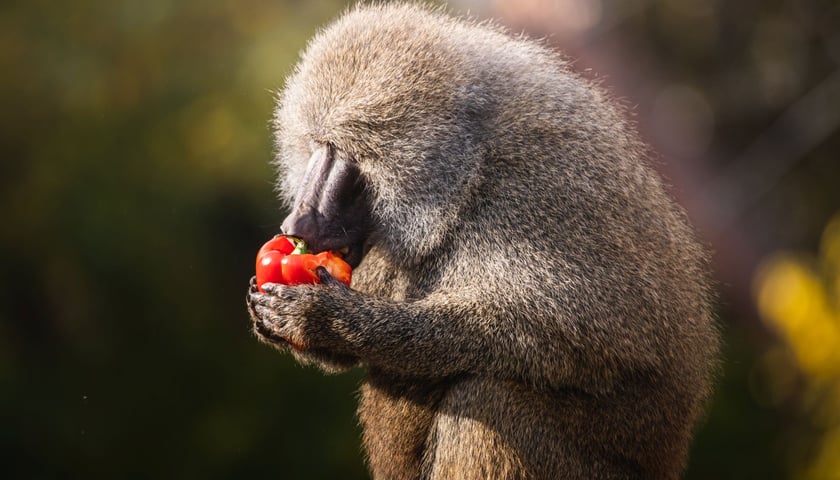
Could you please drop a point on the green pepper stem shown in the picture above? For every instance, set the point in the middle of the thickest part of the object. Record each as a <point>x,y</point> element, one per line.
<point>300,246</point>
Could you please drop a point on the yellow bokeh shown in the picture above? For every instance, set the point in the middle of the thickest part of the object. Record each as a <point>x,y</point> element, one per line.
<point>797,296</point>
<point>793,299</point>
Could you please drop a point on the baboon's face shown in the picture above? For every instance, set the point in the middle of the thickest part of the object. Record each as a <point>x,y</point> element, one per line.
<point>392,116</point>
<point>330,210</point>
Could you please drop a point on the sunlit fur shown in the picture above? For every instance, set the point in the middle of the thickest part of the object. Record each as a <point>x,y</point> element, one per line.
<point>534,304</point>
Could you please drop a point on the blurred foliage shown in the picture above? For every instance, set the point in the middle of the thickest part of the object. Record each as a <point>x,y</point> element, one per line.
<point>135,189</point>
<point>798,295</point>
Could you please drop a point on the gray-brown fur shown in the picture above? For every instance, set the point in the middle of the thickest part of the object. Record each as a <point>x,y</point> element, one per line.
<point>533,304</point>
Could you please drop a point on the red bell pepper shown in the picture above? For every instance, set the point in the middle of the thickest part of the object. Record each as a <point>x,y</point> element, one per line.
<point>285,260</point>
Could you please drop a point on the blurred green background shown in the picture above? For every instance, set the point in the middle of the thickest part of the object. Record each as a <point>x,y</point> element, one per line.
<point>135,190</point>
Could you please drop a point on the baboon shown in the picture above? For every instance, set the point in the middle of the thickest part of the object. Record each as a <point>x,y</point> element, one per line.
<point>528,301</point>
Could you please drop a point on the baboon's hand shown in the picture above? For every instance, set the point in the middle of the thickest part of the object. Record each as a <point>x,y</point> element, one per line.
<point>263,330</point>
<point>306,317</point>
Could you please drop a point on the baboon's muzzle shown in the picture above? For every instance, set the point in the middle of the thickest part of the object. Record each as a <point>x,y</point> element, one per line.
<point>330,210</point>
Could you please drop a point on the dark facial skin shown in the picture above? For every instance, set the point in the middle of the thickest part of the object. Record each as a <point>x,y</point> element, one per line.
<point>330,211</point>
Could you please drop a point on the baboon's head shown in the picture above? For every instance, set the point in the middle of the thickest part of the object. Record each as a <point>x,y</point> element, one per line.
<point>379,132</point>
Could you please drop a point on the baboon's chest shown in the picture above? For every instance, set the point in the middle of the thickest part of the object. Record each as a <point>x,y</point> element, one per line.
<point>381,277</point>
<point>397,417</point>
